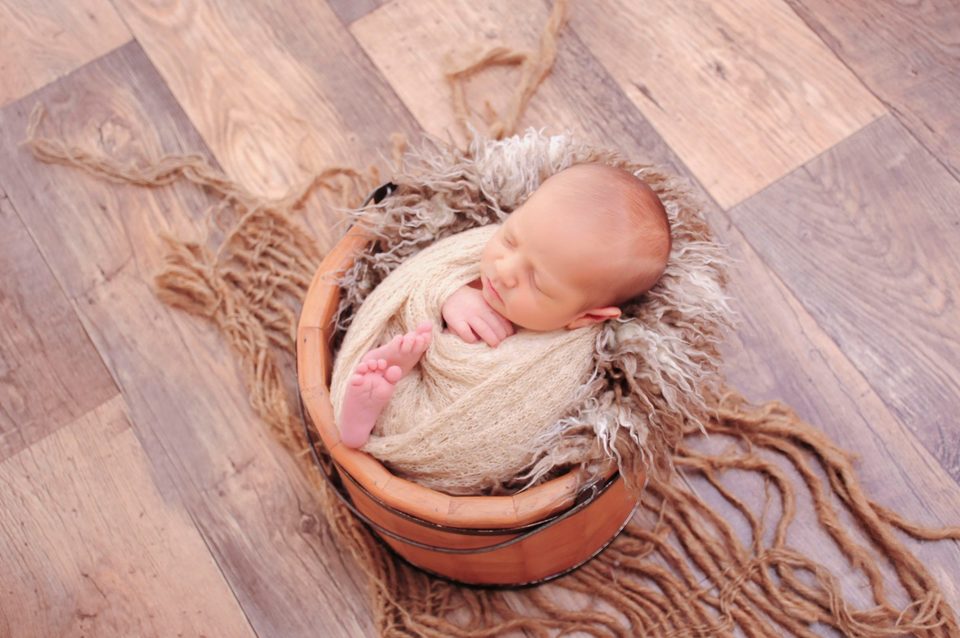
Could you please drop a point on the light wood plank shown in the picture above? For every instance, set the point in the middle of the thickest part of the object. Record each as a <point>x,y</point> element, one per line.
<point>906,53</point>
<point>865,236</point>
<point>50,373</point>
<point>743,92</point>
<point>186,398</point>
<point>278,91</point>
<point>407,40</point>
<point>41,40</point>
<point>91,548</point>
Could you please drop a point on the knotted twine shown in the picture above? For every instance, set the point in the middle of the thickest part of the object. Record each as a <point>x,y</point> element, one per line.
<point>688,574</point>
<point>468,419</point>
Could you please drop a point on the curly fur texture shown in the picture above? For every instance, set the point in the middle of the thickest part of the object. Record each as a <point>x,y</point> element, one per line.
<point>653,367</point>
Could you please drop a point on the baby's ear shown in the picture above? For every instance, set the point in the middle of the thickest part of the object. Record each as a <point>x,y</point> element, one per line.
<point>594,315</point>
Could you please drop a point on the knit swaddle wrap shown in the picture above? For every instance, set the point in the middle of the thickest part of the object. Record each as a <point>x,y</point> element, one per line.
<point>467,418</point>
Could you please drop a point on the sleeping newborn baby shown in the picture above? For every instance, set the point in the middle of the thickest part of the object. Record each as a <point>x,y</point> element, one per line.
<point>588,239</point>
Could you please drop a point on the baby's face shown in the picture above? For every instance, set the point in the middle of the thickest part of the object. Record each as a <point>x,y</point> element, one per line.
<point>544,263</point>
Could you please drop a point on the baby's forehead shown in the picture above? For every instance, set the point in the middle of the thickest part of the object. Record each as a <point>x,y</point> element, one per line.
<point>584,253</point>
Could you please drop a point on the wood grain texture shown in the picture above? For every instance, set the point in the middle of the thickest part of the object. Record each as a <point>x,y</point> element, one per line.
<point>187,403</point>
<point>743,92</point>
<point>277,90</point>
<point>41,40</point>
<point>91,548</point>
<point>780,352</point>
<point>907,53</point>
<point>42,346</point>
<point>865,236</point>
<point>280,89</point>
<point>351,10</point>
<point>408,39</point>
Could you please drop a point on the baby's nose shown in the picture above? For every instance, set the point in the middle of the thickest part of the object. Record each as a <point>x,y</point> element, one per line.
<point>505,273</point>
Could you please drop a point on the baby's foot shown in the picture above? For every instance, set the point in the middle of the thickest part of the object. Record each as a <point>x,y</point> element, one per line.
<point>368,392</point>
<point>404,351</point>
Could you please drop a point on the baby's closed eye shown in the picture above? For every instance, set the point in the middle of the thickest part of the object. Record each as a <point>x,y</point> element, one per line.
<point>536,284</point>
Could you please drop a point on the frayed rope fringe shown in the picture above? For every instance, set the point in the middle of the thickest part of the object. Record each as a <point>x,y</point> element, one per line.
<point>688,576</point>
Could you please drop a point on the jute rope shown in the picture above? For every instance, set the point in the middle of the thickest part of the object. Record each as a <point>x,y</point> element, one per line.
<point>534,68</point>
<point>688,575</point>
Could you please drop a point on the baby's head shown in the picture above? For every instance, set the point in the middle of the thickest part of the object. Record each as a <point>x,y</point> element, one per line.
<point>590,238</point>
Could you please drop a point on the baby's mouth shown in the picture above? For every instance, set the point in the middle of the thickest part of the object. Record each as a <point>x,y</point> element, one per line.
<point>495,293</point>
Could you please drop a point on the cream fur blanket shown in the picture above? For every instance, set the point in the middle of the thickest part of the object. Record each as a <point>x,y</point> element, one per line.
<point>652,368</point>
<point>468,418</point>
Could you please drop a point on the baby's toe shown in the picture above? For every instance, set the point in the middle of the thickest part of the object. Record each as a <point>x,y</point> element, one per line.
<point>393,374</point>
<point>421,344</point>
<point>425,326</point>
<point>407,344</point>
<point>357,379</point>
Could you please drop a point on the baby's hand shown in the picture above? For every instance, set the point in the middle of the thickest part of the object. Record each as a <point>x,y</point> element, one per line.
<point>470,317</point>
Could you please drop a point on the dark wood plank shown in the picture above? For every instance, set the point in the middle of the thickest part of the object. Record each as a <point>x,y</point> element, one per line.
<point>906,53</point>
<point>50,373</point>
<point>186,399</point>
<point>91,548</point>
<point>350,11</point>
<point>865,236</point>
<point>779,352</point>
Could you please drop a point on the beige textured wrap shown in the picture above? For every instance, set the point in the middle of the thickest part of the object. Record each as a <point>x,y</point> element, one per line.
<point>467,418</point>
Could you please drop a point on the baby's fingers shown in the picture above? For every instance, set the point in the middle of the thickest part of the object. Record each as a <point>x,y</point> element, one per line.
<point>486,332</point>
<point>462,328</point>
<point>507,326</point>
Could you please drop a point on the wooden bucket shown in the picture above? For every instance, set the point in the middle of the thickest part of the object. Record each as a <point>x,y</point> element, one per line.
<point>526,538</point>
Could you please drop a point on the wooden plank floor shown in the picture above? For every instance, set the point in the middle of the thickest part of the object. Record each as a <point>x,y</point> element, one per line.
<point>140,494</point>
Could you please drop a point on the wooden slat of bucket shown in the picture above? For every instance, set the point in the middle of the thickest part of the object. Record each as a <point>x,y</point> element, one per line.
<point>546,553</point>
<point>312,377</point>
<point>415,531</point>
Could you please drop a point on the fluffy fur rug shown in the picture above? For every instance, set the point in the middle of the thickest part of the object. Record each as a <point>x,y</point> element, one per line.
<point>652,367</point>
